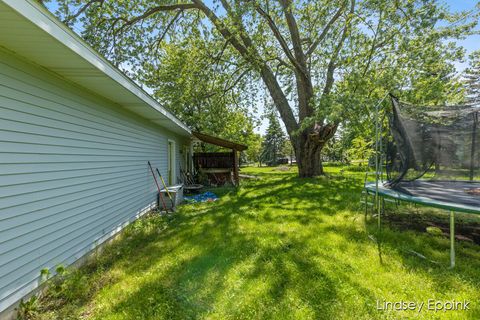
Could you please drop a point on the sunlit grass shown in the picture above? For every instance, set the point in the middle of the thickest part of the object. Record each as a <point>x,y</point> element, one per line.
<point>279,247</point>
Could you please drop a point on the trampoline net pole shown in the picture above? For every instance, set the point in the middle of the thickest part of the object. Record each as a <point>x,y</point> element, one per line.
<point>377,201</point>
<point>452,239</point>
<point>472,152</point>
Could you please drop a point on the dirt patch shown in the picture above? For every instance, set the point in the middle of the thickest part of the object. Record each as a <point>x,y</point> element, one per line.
<point>282,168</point>
<point>463,231</point>
<point>473,191</point>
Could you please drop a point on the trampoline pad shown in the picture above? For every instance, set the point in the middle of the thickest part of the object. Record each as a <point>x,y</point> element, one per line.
<point>457,192</point>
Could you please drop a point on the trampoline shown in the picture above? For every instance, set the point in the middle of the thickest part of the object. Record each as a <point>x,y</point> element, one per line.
<point>457,196</point>
<point>431,157</point>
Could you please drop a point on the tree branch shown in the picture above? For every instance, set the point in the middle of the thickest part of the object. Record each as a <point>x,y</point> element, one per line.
<point>239,24</point>
<point>224,31</point>
<point>230,87</point>
<point>152,11</point>
<point>249,53</point>
<point>332,64</point>
<point>294,34</point>
<point>278,36</point>
<point>283,63</point>
<point>169,25</point>
<point>325,30</point>
<point>372,49</point>
<point>68,19</point>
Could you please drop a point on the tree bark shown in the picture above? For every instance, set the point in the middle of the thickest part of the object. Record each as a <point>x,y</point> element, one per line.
<point>308,149</point>
<point>308,158</point>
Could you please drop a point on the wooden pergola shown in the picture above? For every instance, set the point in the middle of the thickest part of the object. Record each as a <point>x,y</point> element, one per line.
<point>221,160</point>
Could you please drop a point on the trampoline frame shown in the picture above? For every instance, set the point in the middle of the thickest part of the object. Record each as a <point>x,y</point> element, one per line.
<point>398,195</point>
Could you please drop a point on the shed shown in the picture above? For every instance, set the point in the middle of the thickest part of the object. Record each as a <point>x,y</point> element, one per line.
<point>214,163</point>
<point>75,138</point>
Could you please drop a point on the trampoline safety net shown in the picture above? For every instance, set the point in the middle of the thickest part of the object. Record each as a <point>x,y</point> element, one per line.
<point>432,142</point>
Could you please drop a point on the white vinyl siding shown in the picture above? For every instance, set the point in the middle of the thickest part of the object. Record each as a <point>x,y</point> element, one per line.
<point>73,171</point>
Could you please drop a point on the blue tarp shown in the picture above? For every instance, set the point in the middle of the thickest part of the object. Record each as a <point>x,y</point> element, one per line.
<point>202,197</point>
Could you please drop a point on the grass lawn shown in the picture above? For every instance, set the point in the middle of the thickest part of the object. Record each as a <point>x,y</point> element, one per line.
<point>279,247</point>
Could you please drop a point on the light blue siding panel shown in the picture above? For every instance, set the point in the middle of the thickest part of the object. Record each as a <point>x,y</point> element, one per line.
<point>44,140</point>
<point>73,171</point>
<point>28,178</point>
<point>62,254</point>
<point>57,99</point>
<point>78,127</point>
<point>63,211</point>
<point>82,234</point>
<point>52,184</point>
<point>42,131</point>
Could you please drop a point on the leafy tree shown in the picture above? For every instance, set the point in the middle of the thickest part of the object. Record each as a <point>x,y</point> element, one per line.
<point>436,83</point>
<point>335,150</point>
<point>254,151</point>
<point>361,149</point>
<point>274,141</point>
<point>317,59</point>
<point>181,79</point>
<point>472,78</point>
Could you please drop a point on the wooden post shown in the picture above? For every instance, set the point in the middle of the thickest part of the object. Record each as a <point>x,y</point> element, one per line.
<point>236,178</point>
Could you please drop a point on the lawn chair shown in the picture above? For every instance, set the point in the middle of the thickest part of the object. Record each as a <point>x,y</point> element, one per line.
<point>189,184</point>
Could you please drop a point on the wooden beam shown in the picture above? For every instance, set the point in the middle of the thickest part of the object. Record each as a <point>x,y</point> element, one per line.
<point>236,176</point>
<point>218,141</point>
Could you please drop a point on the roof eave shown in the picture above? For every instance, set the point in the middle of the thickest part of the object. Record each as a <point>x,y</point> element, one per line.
<point>44,20</point>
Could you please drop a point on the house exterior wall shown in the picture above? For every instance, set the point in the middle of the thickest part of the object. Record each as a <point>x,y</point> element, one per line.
<point>73,172</point>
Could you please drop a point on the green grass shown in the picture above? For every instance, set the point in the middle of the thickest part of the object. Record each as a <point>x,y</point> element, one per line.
<point>279,247</point>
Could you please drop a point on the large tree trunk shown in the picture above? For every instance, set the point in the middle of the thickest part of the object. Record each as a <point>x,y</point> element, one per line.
<point>308,149</point>
<point>308,157</point>
<point>309,143</point>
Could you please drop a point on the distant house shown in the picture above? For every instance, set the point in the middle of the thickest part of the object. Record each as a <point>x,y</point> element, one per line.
<point>75,138</point>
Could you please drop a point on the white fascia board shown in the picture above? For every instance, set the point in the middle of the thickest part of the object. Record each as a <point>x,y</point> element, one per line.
<point>43,19</point>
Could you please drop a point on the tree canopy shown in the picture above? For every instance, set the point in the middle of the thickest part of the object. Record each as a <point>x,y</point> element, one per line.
<point>321,62</point>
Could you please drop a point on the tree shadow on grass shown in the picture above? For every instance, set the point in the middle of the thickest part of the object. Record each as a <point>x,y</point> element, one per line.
<point>250,255</point>
<point>275,273</point>
<point>255,295</point>
<point>272,268</point>
<point>409,247</point>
